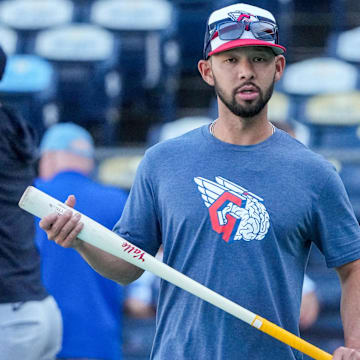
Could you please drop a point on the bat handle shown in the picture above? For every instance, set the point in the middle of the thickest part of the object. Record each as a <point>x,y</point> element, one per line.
<point>290,339</point>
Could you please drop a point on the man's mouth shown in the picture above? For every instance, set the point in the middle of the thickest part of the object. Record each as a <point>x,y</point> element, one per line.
<point>247,92</point>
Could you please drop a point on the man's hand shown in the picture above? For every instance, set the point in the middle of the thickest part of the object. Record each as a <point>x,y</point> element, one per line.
<point>63,229</point>
<point>344,353</point>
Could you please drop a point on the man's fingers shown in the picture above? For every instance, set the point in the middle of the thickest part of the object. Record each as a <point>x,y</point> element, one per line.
<point>71,201</point>
<point>64,228</point>
<point>72,240</point>
<point>55,228</point>
<point>47,222</point>
<point>343,353</point>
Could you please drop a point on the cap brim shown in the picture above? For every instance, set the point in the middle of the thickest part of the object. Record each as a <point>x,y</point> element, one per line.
<point>278,49</point>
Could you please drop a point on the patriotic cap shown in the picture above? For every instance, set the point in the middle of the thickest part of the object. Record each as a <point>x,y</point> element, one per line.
<point>237,13</point>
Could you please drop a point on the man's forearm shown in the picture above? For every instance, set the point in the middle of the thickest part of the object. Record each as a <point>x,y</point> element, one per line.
<point>109,265</point>
<point>350,304</point>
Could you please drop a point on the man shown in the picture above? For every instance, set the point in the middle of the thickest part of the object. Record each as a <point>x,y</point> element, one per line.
<point>236,206</point>
<point>91,305</point>
<point>30,320</point>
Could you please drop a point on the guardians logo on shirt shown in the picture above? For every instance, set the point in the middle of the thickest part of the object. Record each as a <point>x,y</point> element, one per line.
<point>234,212</point>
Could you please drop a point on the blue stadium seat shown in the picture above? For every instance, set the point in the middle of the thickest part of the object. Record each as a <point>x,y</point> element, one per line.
<point>318,77</point>
<point>8,39</point>
<point>192,16</point>
<point>85,58</point>
<point>28,17</point>
<point>29,85</point>
<point>161,132</point>
<point>334,120</point>
<point>345,45</point>
<point>149,62</point>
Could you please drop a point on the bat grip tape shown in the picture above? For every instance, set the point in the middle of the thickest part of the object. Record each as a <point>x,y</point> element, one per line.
<point>290,339</point>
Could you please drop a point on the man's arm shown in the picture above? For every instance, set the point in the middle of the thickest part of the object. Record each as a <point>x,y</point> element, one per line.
<point>350,311</point>
<point>350,305</point>
<point>109,265</point>
<point>64,230</point>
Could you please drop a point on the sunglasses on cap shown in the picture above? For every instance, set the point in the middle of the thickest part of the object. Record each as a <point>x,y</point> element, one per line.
<point>227,30</point>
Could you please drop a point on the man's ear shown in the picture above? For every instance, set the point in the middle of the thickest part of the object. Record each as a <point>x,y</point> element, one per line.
<point>204,67</point>
<point>280,63</point>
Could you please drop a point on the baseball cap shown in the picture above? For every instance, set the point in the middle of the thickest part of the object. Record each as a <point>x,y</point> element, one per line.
<point>2,62</point>
<point>68,137</point>
<point>241,25</point>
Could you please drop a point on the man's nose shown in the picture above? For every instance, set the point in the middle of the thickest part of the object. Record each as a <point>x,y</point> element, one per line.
<point>245,69</point>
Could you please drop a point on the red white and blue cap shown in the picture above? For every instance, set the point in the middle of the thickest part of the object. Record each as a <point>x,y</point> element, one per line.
<point>232,13</point>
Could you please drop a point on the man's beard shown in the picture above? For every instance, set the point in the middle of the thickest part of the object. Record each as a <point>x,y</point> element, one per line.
<point>252,109</point>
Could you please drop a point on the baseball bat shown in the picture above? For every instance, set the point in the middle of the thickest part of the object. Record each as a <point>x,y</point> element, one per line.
<point>41,204</point>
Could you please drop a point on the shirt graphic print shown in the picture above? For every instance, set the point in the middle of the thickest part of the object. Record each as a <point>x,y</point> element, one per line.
<point>234,212</point>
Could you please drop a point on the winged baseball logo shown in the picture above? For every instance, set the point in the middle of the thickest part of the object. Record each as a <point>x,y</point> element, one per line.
<point>234,212</point>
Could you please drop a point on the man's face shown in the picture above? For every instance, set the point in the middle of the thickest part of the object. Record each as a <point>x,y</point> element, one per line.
<point>244,79</point>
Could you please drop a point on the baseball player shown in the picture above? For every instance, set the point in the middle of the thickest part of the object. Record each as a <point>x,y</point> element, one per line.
<point>236,206</point>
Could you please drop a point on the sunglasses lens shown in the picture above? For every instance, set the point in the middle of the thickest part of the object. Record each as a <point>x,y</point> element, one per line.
<point>263,31</point>
<point>230,30</point>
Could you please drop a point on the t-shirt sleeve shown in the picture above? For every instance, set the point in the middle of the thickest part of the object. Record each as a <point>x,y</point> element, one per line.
<point>337,232</point>
<point>139,222</point>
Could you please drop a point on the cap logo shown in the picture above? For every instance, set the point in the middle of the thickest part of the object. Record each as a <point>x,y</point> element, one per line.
<point>240,16</point>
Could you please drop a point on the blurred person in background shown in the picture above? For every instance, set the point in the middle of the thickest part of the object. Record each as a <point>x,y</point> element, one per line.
<point>30,321</point>
<point>310,306</point>
<point>91,305</point>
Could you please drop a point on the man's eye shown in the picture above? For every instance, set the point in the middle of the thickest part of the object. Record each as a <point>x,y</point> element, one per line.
<point>259,59</point>
<point>230,60</point>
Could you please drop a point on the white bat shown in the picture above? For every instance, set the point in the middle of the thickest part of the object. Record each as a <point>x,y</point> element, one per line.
<point>40,204</point>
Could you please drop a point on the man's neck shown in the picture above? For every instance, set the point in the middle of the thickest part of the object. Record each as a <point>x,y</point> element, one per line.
<point>235,130</point>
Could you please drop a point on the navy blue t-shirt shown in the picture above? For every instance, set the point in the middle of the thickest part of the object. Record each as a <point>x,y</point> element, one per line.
<point>239,220</point>
<point>20,278</point>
